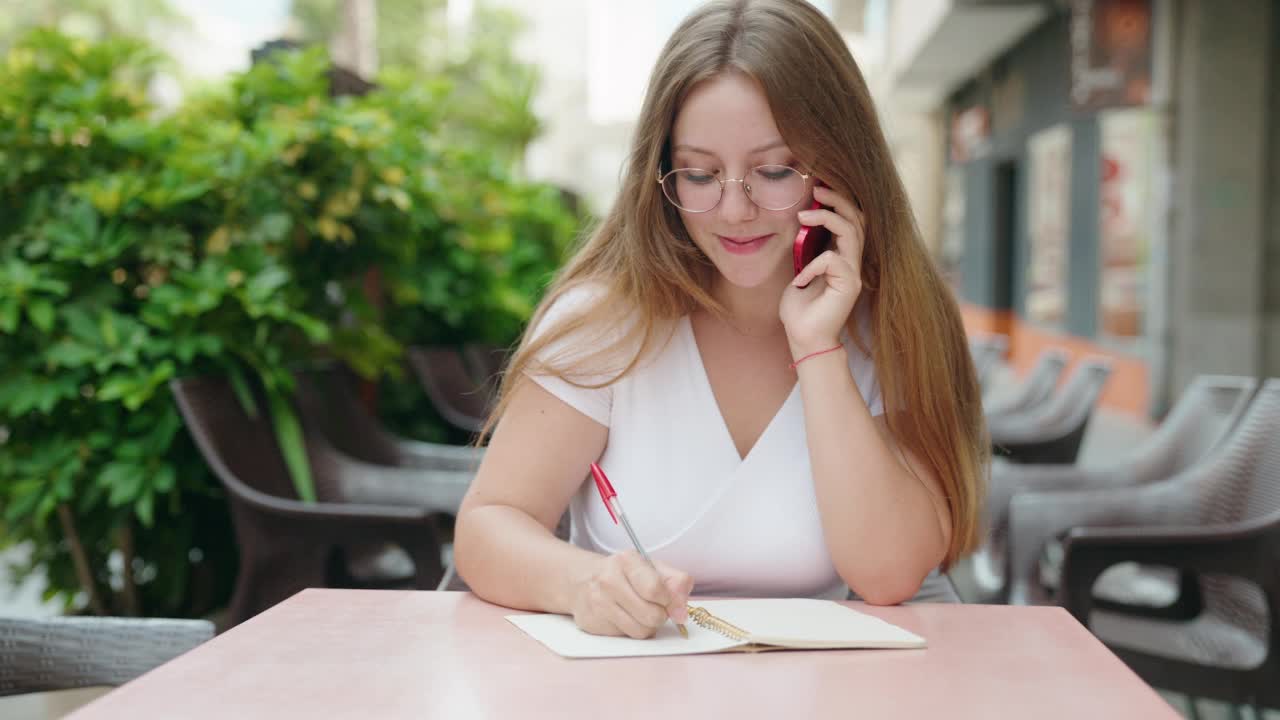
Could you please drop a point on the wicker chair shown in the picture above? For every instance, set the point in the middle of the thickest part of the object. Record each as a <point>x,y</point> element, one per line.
<point>1052,432</point>
<point>987,351</point>
<point>1207,412</point>
<point>1218,520</point>
<point>61,653</point>
<point>1036,389</point>
<point>285,544</point>
<point>432,472</point>
<point>461,394</point>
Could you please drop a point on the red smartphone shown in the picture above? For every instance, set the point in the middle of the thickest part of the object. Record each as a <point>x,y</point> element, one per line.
<point>811,241</point>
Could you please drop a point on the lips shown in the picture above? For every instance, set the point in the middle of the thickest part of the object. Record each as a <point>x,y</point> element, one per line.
<point>743,245</point>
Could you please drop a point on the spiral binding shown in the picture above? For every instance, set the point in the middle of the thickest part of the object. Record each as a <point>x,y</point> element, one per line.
<point>705,619</point>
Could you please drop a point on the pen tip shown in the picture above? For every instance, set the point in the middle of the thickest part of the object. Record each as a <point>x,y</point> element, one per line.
<point>684,632</point>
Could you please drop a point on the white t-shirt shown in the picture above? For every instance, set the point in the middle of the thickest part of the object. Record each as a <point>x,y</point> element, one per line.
<point>740,526</point>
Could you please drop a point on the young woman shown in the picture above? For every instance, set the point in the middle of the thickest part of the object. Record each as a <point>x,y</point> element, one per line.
<point>770,434</point>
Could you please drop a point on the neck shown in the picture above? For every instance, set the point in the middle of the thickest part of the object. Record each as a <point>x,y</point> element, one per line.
<point>754,311</point>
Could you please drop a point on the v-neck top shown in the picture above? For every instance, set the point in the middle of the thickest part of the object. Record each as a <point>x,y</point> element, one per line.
<point>740,526</point>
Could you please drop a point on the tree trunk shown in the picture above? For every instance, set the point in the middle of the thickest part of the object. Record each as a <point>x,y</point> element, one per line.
<point>132,606</point>
<point>80,559</point>
<point>355,45</point>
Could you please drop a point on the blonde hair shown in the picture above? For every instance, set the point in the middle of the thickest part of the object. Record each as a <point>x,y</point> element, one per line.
<point>644,266</point>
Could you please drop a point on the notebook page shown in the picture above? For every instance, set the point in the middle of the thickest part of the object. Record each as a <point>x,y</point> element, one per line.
<point>808,623</point>
<point>562,636</point>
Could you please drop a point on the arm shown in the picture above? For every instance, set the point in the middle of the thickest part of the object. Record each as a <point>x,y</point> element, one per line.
<point>536,460</point>
<point>505,544</point>
<point>886,525</point>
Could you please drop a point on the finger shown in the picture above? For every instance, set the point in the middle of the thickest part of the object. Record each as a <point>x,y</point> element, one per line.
<point>628,624</point>
<point>598,624</point>
<point>645,612</point>
<point>678,608</point>
<point>841,204</point>
<point>596,614</point>
<point>645,580</point>
<point>680,585</point>
<point>850,211</point>
<point>828,265</point>
<point>847,235</point>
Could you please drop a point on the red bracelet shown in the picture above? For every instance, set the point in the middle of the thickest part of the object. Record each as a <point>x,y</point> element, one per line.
<point>816,354</point>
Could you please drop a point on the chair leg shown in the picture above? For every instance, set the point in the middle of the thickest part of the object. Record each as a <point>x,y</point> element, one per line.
<point>267,579</point>
<point>1193,708</point>
<point>1246,712</point>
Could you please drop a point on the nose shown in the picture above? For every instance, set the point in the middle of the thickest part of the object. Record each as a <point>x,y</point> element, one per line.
<point>735,206</point>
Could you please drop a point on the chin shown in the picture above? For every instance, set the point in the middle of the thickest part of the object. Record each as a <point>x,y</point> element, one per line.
<point>748,275</point>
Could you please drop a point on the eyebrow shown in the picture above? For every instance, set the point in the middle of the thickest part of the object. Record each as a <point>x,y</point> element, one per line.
<point>767,146</point>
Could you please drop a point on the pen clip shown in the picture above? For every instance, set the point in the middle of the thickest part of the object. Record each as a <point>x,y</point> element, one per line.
<point>607,493</point>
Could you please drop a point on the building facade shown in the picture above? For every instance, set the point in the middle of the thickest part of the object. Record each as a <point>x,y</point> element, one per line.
<point>1107,178</point>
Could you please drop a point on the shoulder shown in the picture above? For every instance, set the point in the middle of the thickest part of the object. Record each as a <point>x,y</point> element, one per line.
<point>586,329</point>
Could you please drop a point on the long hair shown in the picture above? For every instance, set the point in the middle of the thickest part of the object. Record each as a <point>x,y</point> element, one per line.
<point>643,265</point>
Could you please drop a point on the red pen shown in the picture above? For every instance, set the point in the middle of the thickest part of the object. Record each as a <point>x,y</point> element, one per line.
<point>610,498</point>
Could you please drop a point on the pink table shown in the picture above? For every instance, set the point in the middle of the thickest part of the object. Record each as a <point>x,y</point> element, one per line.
<point>390,654</point>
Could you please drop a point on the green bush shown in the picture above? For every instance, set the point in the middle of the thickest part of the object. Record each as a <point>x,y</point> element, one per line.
<point>233,236</point>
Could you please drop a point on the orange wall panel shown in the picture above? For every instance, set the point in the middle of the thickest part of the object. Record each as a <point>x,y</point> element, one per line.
<point>1127,389</point>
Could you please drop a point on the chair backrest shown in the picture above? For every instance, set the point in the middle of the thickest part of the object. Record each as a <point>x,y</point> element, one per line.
<point>239,447</point>
<point>1242,482</point>
<point>1036,389</point>
<point>61,653</point>
<point>487,362</point>
<point>987,351</point>
<point>328,402</point>
<point>1073,403</point>
<point>452,389</point>
<point>1205,414</point>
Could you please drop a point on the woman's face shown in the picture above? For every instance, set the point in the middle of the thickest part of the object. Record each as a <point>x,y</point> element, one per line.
<point>725,126</point>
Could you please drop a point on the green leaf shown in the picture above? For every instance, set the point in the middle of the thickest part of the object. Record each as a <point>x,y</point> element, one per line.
<point>41,313</point>
<point>117,386</point>
<point>71,354</point>
<point>123,480</point>
<point>266,283</point>
<point>273,227</point>
<point>165,479</point>
<point>27,494</point>
<point>9,316</point>
<point>22,393</point>
<point>142,393</point>
<point>144,507</point>
<point>81,325</point>
<point>292,446</point>
<point>241,388</point>
<point>107,328</point>
<point>316,331</point>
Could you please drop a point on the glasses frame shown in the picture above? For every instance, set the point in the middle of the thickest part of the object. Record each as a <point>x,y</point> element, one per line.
<point>746,189</point>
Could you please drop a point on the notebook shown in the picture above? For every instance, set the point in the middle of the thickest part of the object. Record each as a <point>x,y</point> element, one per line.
<point>730,626</point>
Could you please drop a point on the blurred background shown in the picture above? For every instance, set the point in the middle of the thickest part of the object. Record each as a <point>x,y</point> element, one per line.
<point>251,190</point>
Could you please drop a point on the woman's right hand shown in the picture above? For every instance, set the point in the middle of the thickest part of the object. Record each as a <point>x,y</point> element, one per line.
<point>627,597</point>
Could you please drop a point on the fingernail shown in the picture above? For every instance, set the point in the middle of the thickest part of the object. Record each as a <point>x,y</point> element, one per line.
<point>680,614</point>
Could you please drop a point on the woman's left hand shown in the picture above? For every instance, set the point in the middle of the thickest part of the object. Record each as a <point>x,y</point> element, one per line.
<point>816,305</point>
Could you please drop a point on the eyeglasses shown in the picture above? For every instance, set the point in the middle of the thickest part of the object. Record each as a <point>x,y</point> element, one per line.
<point>770,187</point>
